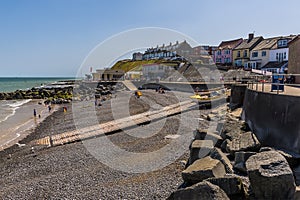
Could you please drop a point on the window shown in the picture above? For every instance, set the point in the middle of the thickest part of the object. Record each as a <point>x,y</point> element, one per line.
<point>263,53</point>
<point>227,52</point>
<point>245,53</point>
<point>238,54</point>
<point>219,52</point>
<point>254,54</point>
<point>284,55</point>
<point>282,43</point>
<point>227,60</point>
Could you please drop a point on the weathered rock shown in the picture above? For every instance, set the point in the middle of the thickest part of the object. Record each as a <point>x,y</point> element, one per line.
<point>201,191</point>
<point>296,172</point>
<point>199,134</point>
<point>262,149</point>
<point>292,158</point>
<point>297,193</point>
<point>244,142</point>
<point>204,134</point>
<point>202,169</point>
<point>232,186</point>
<point>224,145</point>
<point>231,129</point>
<point>216,153</point>
<point>200,149</point>
<point>240,159</point>
<point>270,176</point>
<point>246,189</point>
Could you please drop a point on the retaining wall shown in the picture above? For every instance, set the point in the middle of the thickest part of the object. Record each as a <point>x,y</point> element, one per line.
<point>275,119</point>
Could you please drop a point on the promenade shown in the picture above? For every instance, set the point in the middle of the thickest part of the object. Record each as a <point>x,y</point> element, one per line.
<point>288,90</point>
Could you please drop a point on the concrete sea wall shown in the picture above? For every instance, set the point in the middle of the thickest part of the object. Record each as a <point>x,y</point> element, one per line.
<point>274,119</point>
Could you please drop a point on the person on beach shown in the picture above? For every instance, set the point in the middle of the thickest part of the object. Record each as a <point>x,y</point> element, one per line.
<point>49,108</point>
<point>34,112</point>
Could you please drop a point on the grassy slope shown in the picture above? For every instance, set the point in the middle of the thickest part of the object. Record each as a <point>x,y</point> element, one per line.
<point>128,65</point>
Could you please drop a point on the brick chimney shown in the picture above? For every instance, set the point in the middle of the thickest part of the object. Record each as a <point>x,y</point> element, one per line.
<point>250,37</point>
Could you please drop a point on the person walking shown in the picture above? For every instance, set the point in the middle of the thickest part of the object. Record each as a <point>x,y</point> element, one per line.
<point>34,112</point>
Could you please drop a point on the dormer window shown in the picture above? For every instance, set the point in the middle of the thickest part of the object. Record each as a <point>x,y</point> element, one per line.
<point>282,43</point>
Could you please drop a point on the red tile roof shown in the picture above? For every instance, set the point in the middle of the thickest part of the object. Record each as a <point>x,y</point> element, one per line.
<point>230,44</point>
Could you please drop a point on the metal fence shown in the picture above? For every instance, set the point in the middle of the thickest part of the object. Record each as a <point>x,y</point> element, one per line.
<point>259,82</point>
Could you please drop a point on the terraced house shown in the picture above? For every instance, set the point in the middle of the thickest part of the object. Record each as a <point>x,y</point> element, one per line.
<point>241,53</point>
<point>223,54</point>
<point>270,54</point>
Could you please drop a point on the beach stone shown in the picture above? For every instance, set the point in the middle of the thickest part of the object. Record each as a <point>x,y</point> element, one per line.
<point>204,134</point>
<point>240,159</point>
<point>232,186</point>
<point>200,149</point>
<point>244,142</point>
<point>216,153</point>
<point>270,176</point>
<point>200,191</point>
<point>202,169</point>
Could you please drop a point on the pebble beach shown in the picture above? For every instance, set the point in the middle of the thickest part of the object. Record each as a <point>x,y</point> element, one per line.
<point>71,172</point>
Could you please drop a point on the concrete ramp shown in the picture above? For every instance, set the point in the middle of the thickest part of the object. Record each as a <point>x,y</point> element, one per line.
<point>128,84</point>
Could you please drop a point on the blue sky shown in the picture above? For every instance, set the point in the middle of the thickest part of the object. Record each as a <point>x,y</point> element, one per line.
<point>53,37</point>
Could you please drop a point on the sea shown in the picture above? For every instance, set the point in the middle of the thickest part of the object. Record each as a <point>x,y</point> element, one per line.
<point>12,84</point>
<point>16,115</point>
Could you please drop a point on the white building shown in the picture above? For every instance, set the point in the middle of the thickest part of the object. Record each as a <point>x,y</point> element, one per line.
<point>156,71</point>
<point>108,75</point>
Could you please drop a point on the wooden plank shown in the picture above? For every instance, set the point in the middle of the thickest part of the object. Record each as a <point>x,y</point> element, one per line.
<point>108,127</point>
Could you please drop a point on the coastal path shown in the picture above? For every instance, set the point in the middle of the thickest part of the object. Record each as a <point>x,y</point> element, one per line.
<point>116,125</point>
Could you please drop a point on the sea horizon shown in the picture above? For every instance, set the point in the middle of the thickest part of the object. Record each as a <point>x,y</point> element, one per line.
<point>11,84</point>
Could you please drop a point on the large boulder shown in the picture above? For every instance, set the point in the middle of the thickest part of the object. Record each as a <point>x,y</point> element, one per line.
<point>200,149</point>
<point>270,176</point>
<point>202,169</point>
<point>201,191</point>
<point>204,134</point>
<point>240,159</point>
<point>297,193</point>
<point>216,153</point>
<point>244,142</point>
<point>296,172</point>
<point>231,129</point>
<point>231,185</point>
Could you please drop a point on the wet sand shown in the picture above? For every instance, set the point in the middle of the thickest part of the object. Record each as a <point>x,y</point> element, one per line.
<point>23,122</point>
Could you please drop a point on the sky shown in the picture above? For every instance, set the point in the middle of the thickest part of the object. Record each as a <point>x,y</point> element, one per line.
<point>53,38</point>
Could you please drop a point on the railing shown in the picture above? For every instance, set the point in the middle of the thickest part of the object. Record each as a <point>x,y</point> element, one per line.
<point>259,82</point>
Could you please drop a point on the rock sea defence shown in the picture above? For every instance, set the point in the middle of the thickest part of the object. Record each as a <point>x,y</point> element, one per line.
<point>64,92</point>
<point>231,163</point>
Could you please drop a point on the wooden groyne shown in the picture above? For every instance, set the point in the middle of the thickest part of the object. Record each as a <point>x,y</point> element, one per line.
<point>116,125</point>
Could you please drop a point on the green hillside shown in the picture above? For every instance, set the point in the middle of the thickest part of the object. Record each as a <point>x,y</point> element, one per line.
<point>128,65</point>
